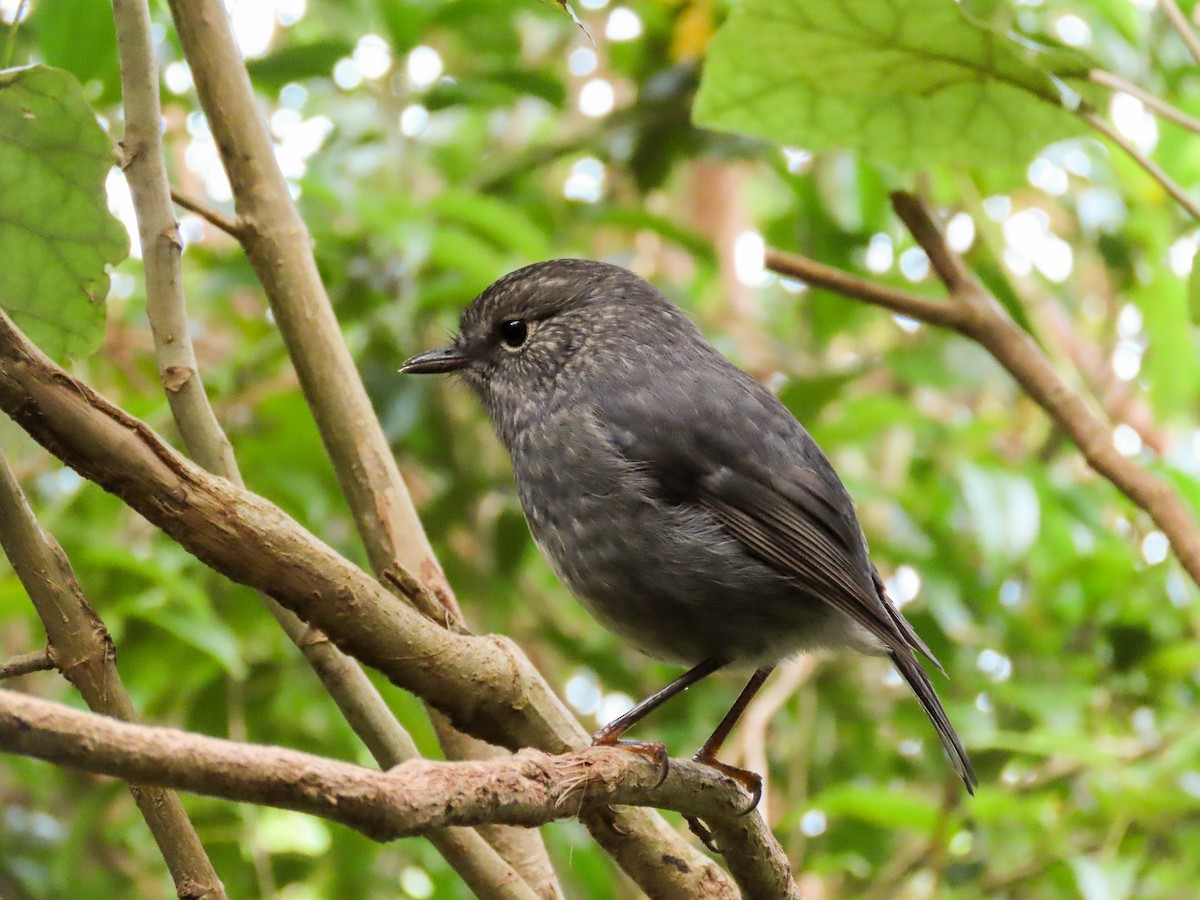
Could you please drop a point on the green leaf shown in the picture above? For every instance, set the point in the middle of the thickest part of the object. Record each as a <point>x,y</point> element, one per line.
<point>298,62</point>
<point>79,36</point>
<point>196,627</point>
<point>1193,295</point>
<point>1169,367</point>
<point>883,806</point>
<point>404,22</point>
<point>909,84</point>
<point>56,233</point>
<point>504,224</point>
<point>283,831</point>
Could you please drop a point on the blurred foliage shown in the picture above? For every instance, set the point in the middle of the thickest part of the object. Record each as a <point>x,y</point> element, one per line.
<point>435,146</point>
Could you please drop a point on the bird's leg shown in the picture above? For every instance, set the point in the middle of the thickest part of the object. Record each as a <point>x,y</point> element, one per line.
<point>708,755</point>
<point>610,734</point>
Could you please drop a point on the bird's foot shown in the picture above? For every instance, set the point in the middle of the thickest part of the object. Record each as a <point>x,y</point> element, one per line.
<point>750,781</point>
<point>702,831</point>
<point>608,815</point>
<point>652,750</point>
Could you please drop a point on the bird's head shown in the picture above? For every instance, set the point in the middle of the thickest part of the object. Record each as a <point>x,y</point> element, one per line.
<point>548,328</point>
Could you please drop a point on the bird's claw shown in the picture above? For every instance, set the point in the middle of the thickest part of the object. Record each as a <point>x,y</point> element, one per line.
<point>608,815</point>
<point>754,789</point>
<point>653,750</point>
<point>750,782</point>
<point>702,831</point>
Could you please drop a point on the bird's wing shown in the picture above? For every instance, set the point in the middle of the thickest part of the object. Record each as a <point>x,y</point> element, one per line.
<point>796,539</point>
<point>738,453</point>
<point>728,445</point>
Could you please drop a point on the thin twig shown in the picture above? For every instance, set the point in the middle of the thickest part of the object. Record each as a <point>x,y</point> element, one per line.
<point>278,246</point>
<point>1181,24</point>
<point>1156,103</point>
<point>975,313</point>
<point>485,684</point>
<point>11,44</point>
<point>1151,168</point>
<point>901,302</point>
<point>996,332</point>
<point>231,226</point>
<point>26,664</point>
<point>83,652</point>
<point>480,866</point>
<point>1118,399</point>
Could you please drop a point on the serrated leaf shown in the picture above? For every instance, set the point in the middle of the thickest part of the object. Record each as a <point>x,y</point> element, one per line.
<point>908,84</point>
<point>56,233</point>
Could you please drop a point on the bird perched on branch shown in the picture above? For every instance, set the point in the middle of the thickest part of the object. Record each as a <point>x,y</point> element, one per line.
<point>677,498</point>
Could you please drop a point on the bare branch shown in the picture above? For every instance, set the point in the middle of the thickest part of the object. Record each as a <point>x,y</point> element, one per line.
<point>1181,24</point>
<point>357,698</point>
<point>979,316</point>
<point>211,215</point>
<point>484,684</point>
<point>161,246</point>
<point>27,663</point>
<point>528,789</point>
<point>1153,169</point>
<point>1156,103</point>
<point>278,246</point>
<point>83,652</point>
<point>904,303</point>
<point>359,701</point>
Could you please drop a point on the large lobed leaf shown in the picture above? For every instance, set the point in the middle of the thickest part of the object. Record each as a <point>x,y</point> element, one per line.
<point>56,233</point>
<point>907,83</point>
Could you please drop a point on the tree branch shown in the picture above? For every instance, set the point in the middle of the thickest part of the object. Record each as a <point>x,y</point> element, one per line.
<point>901,302</point>
<point>1151,168</point>
<point>976,314</point>
<point>83,652</point>
<point>27,663</point>
<point>1181,24</point>
<point>484,684</point>
<point>1156,103</point>
<point>278,246</point>
<point>528,789</point>
<point>211,215</point>
<point>356,697</point>
<point>161,247</point>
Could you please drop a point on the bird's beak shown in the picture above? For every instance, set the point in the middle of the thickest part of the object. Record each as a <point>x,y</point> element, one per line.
<point>431,362</point>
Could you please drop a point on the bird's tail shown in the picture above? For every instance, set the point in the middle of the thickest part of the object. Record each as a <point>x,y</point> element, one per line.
<point>906,662</point>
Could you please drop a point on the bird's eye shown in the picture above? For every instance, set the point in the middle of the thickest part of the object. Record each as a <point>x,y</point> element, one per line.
<point>514,333</point>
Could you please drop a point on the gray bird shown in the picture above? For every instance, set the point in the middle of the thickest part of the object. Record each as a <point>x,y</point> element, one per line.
<point>677,498</point>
